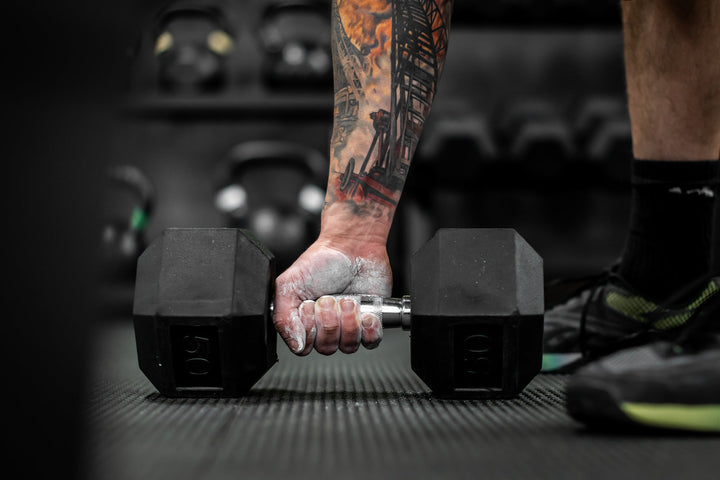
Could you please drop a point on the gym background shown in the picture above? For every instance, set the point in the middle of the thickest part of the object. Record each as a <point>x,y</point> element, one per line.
<point>123,124</point>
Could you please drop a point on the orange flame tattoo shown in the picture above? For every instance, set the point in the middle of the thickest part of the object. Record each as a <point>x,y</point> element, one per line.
<point>368,23</point>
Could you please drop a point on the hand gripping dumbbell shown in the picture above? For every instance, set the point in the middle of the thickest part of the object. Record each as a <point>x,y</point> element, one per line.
<point>203,312</point>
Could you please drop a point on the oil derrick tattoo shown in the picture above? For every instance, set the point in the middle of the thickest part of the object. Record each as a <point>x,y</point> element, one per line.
<point>350,66</point>
<point>382,115</point>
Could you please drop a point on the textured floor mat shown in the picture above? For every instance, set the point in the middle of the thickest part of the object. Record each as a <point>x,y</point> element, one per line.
<point>358,416</point>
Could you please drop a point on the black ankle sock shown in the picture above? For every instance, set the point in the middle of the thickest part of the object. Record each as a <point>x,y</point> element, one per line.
<point>670,237</point>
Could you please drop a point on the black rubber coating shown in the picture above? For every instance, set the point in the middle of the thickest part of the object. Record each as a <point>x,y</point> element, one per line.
<point>362,416</point>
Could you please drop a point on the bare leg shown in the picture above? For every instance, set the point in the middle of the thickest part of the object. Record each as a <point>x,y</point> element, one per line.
<point>672,59</point>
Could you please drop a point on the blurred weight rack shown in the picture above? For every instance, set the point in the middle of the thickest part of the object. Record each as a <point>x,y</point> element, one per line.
<point>528,130</point>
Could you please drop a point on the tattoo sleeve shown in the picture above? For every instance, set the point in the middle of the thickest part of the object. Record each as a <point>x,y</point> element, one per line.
<point>388,56</point>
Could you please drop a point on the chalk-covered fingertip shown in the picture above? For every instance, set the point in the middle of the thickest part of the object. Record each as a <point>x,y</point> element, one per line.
<point>299,345</point>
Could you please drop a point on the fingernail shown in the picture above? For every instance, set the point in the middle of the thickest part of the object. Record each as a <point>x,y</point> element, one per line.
<point>308,307</point>
<point>326,303</point>
<point>347,306</point>
<point>367,322</point>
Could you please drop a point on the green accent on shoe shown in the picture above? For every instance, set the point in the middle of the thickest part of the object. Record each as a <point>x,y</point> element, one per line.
<point>555,361</point>
<point>699,418</point>
<point>679,320</point>
<point>636,308</point>
<point>632,306</point>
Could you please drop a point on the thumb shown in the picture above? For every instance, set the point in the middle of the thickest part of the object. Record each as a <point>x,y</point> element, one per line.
<point>286,319</point>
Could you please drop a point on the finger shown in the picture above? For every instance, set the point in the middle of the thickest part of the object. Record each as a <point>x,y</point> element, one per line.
<point>372,331</point>
<point>327,318</point>
<point>350,333</point>
<point>307,317</point>
<point>291,330</point>
<point>286,317</point>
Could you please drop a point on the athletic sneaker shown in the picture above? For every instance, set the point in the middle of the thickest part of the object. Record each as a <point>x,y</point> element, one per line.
<point>609,315</point>
<point>663,385</point>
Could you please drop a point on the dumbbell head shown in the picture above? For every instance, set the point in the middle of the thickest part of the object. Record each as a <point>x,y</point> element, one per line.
<point>477,313</point>
<point>200,294</point>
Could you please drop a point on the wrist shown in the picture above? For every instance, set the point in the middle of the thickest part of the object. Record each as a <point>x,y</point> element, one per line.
<point>354,227</point>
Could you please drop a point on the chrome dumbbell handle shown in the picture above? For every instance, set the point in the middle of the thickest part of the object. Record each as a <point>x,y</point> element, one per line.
<point>393,312</point>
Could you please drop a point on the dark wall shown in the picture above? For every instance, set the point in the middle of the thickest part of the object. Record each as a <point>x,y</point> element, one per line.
<point>62,59</point>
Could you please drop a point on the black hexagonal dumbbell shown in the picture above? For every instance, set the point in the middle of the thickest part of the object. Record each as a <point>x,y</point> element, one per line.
<point>477,313</point>
<point>203,309</point>
<point>201,312</point>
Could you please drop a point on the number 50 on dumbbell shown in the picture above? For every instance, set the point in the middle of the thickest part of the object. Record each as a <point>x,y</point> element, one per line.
<point>203,312</point>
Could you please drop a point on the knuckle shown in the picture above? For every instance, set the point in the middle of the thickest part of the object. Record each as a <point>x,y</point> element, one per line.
<point>329,328</point>
<point>350,337</point>
<point>326,349</point>
<point>351,348</point>
<point>350,327</point>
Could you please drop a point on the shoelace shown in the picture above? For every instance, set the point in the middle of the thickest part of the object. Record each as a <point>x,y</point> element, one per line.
<point>600,280</point>
<point>695,324</point>
<point>699,325</point>
<point>594,283</point>
<point>629,340</point>
<point>591,284</point>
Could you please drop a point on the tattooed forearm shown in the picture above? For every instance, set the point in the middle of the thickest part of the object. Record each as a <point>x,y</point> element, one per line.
<point>388,56</point>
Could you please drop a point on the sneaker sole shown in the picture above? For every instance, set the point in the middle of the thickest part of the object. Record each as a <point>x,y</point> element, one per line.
<point>696,418</point>
<point>595,406</point>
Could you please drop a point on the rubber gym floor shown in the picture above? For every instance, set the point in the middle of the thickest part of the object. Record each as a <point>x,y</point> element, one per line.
<point>362,416</point>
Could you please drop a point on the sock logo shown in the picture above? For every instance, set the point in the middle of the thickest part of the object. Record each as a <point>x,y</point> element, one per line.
<point>703,191</point>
